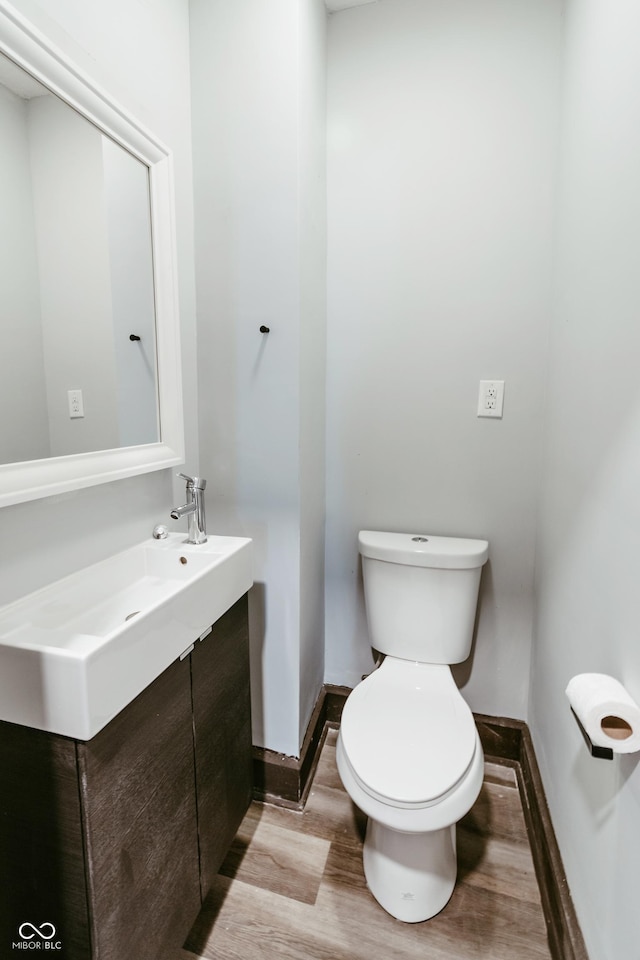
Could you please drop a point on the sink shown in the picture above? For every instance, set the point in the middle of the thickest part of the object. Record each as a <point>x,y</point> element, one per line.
<point>77,651</point>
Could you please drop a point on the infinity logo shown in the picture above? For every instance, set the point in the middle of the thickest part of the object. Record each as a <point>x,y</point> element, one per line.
<point>37,931</point>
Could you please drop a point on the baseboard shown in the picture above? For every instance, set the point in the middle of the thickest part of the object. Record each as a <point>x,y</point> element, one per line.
<point>286,781</point>
<point>510,740</point>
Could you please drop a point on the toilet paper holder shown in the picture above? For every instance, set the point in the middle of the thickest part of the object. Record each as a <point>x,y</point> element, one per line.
<point>602,753</point>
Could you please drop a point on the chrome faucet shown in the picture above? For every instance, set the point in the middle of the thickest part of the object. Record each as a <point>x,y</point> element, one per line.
<point>193,509</point>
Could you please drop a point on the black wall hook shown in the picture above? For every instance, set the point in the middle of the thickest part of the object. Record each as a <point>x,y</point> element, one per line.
<point>133,336</point>
<point>264,329</point>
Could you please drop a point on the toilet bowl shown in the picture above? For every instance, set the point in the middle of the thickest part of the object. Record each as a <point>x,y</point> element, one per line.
<point>408,751</point>
<point>409,757</point>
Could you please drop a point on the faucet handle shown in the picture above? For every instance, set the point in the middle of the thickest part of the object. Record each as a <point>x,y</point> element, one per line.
<point>195,482</point>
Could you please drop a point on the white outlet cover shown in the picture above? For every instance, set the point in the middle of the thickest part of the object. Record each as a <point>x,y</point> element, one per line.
<point>76,404</point>
<point>491,399</point>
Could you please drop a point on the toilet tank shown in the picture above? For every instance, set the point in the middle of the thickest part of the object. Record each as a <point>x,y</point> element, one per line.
<point>421,594</point>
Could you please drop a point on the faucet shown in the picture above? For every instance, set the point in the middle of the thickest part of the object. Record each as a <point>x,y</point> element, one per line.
<point>193,509</point>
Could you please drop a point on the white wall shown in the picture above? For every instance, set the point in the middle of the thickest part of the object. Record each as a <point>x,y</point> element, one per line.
<point>588,613</point>
<point>258,128</point>
<point>139,53</point>
<point>442,124</point>
<point>313,319</point>
<point>21,356</point>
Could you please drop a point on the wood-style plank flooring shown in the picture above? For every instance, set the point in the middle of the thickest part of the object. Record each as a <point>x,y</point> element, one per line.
<point>292,886</point>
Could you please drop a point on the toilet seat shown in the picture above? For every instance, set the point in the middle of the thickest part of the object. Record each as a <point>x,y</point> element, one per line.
<point>407,734</point>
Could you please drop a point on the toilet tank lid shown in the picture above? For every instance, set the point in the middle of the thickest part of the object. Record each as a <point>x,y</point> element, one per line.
<point>423,550</point>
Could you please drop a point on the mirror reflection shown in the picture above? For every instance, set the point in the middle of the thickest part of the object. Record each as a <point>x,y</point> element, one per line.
<point>78,368</point>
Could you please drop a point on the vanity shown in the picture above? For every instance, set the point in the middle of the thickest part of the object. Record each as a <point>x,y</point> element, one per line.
<point>109,844</point>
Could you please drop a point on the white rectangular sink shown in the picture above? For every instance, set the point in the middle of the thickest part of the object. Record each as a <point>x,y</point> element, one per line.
<point>74,653</point>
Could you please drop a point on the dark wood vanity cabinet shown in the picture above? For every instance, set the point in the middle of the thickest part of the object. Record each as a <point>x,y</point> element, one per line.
<point>222,739</point>
<point>115,842</point>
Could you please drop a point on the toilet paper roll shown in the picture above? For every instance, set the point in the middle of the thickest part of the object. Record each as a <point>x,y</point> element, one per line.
<point>609,715</point>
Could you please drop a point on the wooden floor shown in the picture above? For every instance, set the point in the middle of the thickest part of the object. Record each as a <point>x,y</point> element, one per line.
<point>292,886</point>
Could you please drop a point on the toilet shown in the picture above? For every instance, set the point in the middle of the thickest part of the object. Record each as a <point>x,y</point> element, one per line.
<point>408,751</point>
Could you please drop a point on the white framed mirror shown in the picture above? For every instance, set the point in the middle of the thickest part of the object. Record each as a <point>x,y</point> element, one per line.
<point>90,384</point>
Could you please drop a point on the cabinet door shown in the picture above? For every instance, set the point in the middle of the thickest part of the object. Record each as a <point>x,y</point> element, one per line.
<point>42,878</point>
<point>137,784</point>
<point>222,729</point>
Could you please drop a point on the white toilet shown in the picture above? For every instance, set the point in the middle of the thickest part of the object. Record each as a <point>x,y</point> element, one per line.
<point>408,751</point>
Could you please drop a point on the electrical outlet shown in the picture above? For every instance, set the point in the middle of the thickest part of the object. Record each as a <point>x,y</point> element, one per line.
<point>491,398</point>
<point>76,406</point>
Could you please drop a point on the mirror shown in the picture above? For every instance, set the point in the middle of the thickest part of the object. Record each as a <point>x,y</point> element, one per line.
<point>76,273</point>
<point>89,370</point>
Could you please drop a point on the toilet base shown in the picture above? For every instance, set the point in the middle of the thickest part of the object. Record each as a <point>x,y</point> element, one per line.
<point>411,875</point>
